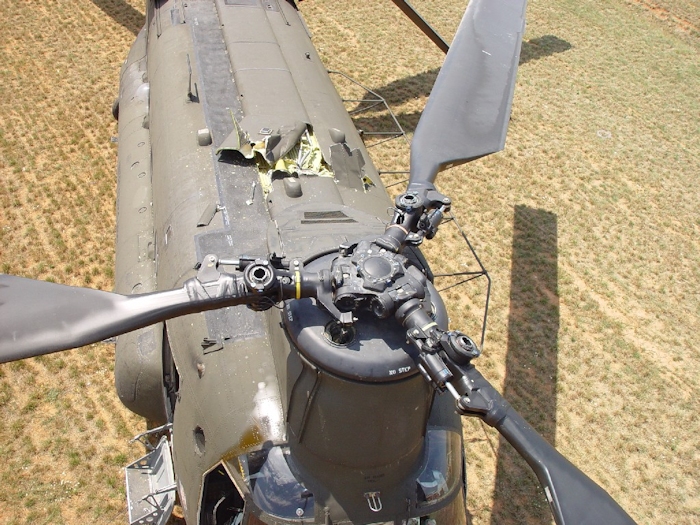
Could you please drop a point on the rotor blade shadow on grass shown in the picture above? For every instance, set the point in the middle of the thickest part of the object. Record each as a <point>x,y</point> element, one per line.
<point>404,89</point>
<point>541,47</point>
<point>382,122</point>
<point>123,14</point>
<point>531,363</point>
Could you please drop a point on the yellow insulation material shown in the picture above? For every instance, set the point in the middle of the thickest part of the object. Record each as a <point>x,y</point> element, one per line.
<point>305,158</point>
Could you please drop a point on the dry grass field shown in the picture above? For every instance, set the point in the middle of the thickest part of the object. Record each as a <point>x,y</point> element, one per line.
<point>588,223</point>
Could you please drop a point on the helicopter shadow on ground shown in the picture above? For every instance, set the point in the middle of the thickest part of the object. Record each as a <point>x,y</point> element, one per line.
<point>122,13</point>
<point>416,86</point>
<point>531,362</point>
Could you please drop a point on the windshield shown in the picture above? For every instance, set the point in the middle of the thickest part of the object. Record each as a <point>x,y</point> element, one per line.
<point>274,488</point>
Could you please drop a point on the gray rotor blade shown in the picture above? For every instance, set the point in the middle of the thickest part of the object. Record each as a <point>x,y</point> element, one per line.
<point>467,113</point>
<point>420,22</point>
<point>573,497</point>
<point>38,317</point>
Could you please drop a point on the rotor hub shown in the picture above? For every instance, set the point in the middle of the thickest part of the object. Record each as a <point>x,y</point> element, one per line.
<point>378,270</point>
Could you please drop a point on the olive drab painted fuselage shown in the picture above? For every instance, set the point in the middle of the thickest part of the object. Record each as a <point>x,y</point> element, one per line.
<point>233,141</point>
<point>334,397</point>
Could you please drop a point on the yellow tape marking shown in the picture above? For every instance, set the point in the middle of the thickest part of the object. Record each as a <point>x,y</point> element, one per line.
<point>429,325</point>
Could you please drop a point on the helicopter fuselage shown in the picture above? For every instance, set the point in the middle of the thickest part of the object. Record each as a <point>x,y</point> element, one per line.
<point>233,141</point>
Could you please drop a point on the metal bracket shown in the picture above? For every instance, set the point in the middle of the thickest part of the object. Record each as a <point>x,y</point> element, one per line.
<point>150,485</point>
<point>143,436</point>
<point>374,501</point>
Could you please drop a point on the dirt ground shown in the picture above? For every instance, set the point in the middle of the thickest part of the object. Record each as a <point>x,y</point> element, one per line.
<point>588,224</point>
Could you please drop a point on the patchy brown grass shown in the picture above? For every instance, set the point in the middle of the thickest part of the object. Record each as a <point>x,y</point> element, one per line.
<point>593,327</point>
<point>588,224</point>
<point>64,434</point>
